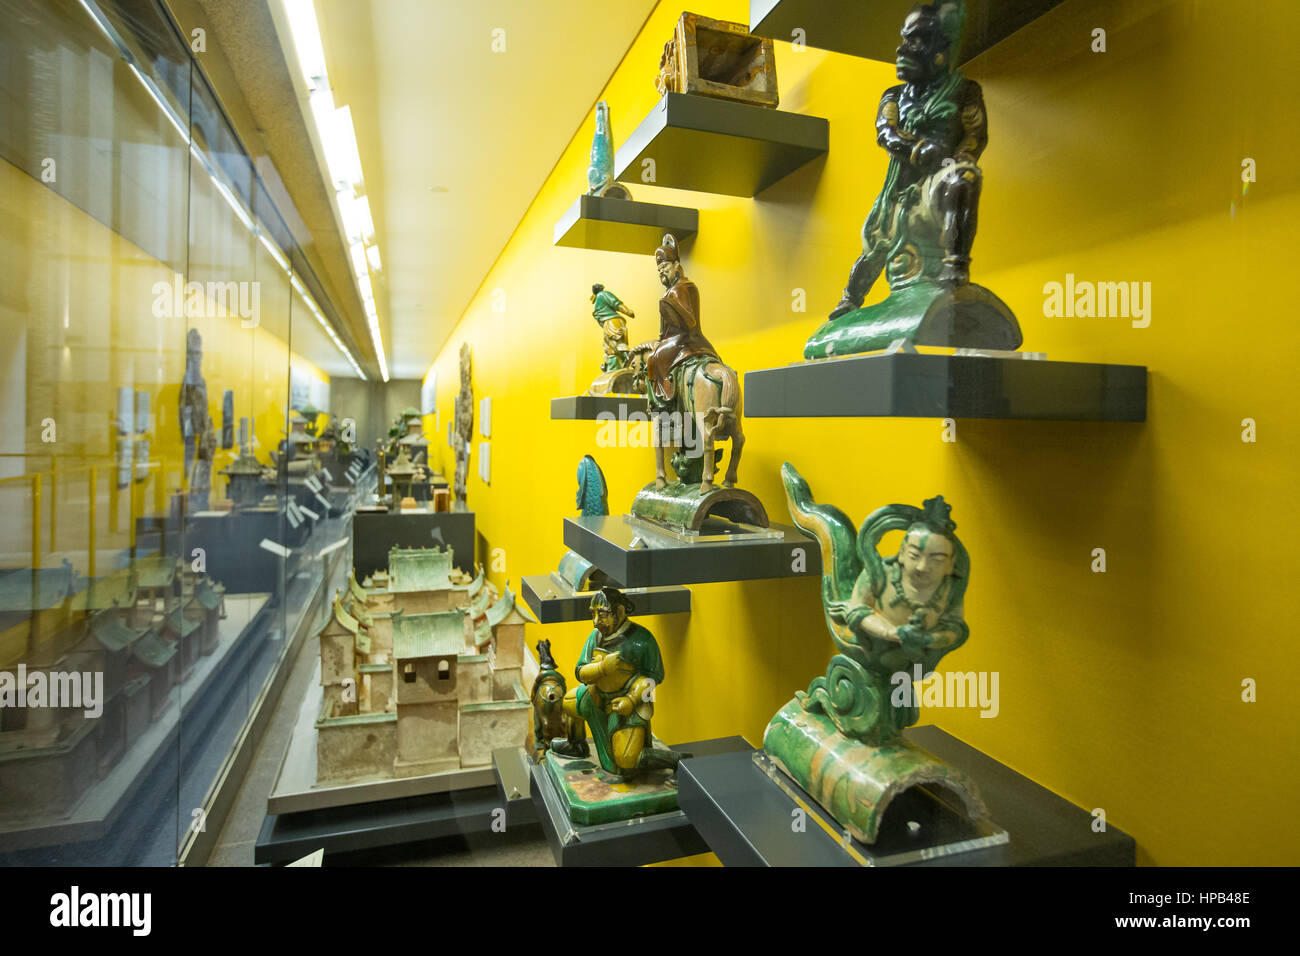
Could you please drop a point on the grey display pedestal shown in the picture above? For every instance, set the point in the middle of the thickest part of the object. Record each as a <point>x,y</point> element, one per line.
<point>635,842</point>
<point>718,146</point>
<point>553,601</point>
<point>374,533</point>
<point>912,385</point>
<point>627,552</point>
<point>746,817</point>
<point>597,407</point>
<point>623,225</point>
<point>871,29</point>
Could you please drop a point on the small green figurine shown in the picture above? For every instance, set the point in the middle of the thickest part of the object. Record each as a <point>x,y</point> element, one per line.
<point>922,226</point>
<point>618,672</point>
<point>841,740</point>
<point>608,311</point>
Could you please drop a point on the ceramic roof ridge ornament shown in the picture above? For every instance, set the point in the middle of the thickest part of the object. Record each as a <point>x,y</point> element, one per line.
<point>600,171</point>
<point>719,59</point>
<point>695,401</point>
<point>592,501</point>
<point>841,740</point>
<point>550,722</point>
<point>921,227</point>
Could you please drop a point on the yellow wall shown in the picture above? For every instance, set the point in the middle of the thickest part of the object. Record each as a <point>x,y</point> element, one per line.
<point>1119,690</point>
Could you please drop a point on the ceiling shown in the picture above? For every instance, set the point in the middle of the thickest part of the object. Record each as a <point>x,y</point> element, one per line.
<point>456,139</point>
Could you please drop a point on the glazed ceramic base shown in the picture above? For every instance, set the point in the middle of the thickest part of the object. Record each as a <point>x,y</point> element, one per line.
<point>927,313</point>
<point>594,796</point>
<point>855,782</point>
<point>680,505</point>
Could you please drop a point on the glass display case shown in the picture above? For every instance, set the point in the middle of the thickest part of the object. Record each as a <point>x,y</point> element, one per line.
<point>151,299</point>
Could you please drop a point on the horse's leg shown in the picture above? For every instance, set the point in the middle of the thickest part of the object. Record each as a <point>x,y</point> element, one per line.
<point>737,445</point>
<point>706,440</point>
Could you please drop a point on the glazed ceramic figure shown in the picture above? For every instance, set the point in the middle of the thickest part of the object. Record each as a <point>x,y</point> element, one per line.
<point>550,722</point>
<point>685,376</point>
<point>618,673</point>
<point>600,171</point>
<point>934,128</point>
<point>921,227</point>
<point>890,618</point>
<point>463,426</point>
<point>608,310</point>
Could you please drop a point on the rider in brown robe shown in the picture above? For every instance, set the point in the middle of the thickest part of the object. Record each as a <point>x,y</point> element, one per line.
<point>679,324</point>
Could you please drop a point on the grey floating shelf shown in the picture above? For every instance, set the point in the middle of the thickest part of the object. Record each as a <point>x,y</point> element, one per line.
<point>871,29</point>
<point>745,816</point>
<point>593,407</point>
<point>609,542</point>
<point>555,602</point>
<point>908,385</point>
<point>718,146</point>
<point>623,225</point>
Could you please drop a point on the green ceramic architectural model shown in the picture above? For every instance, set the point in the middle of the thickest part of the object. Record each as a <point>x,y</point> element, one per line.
<point>922,226</point>
<point>841,740</point>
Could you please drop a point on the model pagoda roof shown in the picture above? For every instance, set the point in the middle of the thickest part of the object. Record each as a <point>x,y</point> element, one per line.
<point>210,593</point>
<point>477,584</point>
<point>428,635</point>
<point>117,589</point>
<point>355,589</point>
<point>152,650</point>
<point>357,626</point>
<point>53,585</point>
<point>158,571</point>
<point>506,611</point>
<point>113,633</point>
<point>178,622</point>
<point>419,569</point>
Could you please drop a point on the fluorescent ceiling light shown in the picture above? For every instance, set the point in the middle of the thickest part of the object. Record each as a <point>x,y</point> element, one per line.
<point>372,253</point>
<point>358,252</point>
<point>306,40</point>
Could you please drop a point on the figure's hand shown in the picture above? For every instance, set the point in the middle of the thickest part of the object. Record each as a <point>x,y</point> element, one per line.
<point>621,706</point>
<point>609,662</point>
<point>913,639</point>
<point>929,155</point>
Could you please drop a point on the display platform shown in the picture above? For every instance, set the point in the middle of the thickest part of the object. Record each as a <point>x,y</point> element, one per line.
<point>231,542</point>
<point>295,789</point>
<point>746,817</point>
<point>641,558</point>
<point>719,146</point>
<point>94,815</point>
<point>923,385</point>
<point>635,842</point>
<point>553,601</point>
<point>622,225</point>
<point>871,29</point>
<point>597,407</point>
<point>374,533</point>
<point>389,824</point>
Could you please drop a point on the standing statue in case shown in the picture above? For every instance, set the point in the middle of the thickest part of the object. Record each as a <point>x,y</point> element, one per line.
<point>842,739</point>
<point>600,172</point>
<point>922,226</point>
<point>694,402</point>
<point>197,433</point>
<point>463,426</point>
<point>618,672</point>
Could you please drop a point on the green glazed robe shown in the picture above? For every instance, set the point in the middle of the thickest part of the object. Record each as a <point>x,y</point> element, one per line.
<point>638,647</point>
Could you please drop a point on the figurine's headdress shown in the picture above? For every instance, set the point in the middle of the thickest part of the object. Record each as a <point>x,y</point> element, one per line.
<point>612,598</point>
<point>950,16</point>
<point>597,287</point>
<point>935,517</point>
<point>667,251</point>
